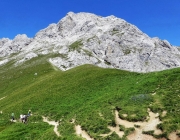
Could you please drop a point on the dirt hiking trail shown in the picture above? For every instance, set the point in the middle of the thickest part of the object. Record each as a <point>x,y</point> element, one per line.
<point>82,133</point>
<point>3,97</point>
<point>149,125</point>
<point>45,119</point>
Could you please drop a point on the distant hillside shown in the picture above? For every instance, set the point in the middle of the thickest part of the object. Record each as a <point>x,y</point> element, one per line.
<point>86,38</point>
<point>88,102</point>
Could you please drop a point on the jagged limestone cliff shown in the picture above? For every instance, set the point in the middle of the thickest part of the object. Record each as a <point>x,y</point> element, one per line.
<point>85,38</point>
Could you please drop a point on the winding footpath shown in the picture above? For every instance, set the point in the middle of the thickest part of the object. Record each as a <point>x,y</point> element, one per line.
<point>45,119</point>
<point>151,124</point>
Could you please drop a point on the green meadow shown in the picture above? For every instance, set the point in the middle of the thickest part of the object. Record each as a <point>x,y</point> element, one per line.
<point>88,94</point>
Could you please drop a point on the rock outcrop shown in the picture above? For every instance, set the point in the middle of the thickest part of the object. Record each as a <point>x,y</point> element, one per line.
<point>85,38</point>
<point>8,47</point>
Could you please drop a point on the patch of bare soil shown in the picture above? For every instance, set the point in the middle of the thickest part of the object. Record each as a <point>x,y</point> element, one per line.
<point>105,135</point>
<point>13,120</point>
<point>82,133</point>
<point>164,113</point>
<point>116,130</point>
<point>52,123</point>
<point>2,98</point>
<point>173,136</point>
<point>152,123</point>
<point>137,135</point>
<point>124,115</point>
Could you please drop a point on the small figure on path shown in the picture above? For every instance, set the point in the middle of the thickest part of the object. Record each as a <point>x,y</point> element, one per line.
<point>29,112</point>
<point>12,117</point>
<point>23,118</point>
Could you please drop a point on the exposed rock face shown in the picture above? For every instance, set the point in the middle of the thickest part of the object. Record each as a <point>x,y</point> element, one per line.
<point>8,46</point>
<point>86,38</point>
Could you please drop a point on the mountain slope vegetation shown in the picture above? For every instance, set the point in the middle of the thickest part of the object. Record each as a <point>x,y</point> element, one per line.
<point>87,94</point>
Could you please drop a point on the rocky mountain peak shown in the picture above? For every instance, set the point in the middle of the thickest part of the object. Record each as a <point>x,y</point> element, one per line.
<point>85,38</point>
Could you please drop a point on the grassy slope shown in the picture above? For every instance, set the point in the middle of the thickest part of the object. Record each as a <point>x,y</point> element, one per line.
<point>83,93</point>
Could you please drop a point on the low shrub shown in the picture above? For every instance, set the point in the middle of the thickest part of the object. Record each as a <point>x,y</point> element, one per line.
<point>148,132</point>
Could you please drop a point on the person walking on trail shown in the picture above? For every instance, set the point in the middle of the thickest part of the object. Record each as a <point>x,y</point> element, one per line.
<point>29,112</point>
<point>24,118</point>
<point>12,117</point>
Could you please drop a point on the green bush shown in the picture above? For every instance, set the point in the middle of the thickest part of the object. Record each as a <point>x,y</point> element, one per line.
<point>137,126</point>
<point>148,132</point>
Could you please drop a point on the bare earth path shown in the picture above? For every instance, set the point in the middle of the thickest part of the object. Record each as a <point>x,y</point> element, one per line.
<point>52,123</point>
<point>144,126</point>
<point>153,121</point>
<point>2,99</point>
<point>82,133</point>
<point>173,136</point>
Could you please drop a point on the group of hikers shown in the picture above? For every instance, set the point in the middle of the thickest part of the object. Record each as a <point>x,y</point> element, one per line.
<point>23,118</point>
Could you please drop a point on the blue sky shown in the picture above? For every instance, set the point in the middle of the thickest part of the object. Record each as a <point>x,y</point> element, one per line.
<point>156,18</point>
